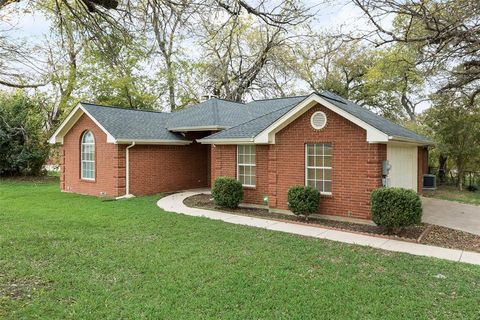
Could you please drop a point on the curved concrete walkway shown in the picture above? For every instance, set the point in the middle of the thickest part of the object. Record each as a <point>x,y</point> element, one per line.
<point>451,214</point>
<point>174,203</point>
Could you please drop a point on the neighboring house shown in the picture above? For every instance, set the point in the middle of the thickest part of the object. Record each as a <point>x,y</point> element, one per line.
<point>320,140</point>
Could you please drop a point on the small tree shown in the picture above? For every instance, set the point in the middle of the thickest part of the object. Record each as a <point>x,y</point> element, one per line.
<point>227,192</point>
<point>303,200</point>
<point>396,208</point>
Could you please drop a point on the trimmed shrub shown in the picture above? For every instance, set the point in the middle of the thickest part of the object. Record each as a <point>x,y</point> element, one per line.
<point>395,208</point>
<point>303,200</point>
<point>227,192</point>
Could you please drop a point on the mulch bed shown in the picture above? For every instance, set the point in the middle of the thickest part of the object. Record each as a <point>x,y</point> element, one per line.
<point>451,238</point>
<point>424,233</point>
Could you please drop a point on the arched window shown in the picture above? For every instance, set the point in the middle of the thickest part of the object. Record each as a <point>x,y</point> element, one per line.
<point>88,156</point>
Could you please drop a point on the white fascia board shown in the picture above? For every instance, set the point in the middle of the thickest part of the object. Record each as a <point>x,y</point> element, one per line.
<point>110,138</point>
<point>197,128</point>
<point>227,141</point>
<point>268,135</point>
<point>410,141</point>
<point>154,141</point>
<point>70,120</point>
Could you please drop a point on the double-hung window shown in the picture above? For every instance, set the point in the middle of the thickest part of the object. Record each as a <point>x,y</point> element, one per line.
<point>87,169</point>
<point>318,167</point>
<point>246,170</point>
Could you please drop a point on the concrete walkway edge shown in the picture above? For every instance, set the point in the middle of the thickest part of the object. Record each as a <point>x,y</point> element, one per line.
<point>174,203</point>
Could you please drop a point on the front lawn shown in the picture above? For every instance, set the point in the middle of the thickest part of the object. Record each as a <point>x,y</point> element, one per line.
<point>453,194</point>
<point>65,256</point>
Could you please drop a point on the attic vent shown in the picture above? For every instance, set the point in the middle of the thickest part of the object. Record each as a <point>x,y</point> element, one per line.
<point>318,120</point>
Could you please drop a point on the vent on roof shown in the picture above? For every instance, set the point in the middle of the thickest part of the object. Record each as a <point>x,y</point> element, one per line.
<point>318,120</point>
<point>207,97</point>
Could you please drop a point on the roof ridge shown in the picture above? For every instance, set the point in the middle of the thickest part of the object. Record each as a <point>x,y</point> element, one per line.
<point>338,100</point>
<point>280,98</point>
<point>123,108</point>
<point>232,101</point>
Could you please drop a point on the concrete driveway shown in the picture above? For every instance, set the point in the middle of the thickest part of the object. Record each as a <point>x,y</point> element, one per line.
<point>455,215</point>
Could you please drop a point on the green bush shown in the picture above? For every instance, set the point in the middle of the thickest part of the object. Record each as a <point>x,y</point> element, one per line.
<point>303,200</point>
<point>395,208</point>
<point>227,192</point>
<point>23,144</point>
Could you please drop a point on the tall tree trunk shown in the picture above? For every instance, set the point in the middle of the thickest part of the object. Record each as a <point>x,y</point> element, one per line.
<point>171,86</point>
<point>442,167</point>
<point>71,82</point>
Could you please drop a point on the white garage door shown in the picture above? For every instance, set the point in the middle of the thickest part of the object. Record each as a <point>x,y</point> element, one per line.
<point>403,160</point>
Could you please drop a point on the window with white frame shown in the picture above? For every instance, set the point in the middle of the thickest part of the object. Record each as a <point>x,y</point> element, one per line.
<point>88,156</point>
<point>318,167</point>
<point>246,165</point>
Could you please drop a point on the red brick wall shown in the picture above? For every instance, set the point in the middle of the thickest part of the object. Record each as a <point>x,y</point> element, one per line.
<point>223,161</point>
<point>153,168</point>
<point>224,164</point>
<point>161,168</point>
<point>356,165</point>
<point>109,164</point>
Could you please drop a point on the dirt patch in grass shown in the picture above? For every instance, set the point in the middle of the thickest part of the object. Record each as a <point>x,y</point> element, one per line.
<point>424,233</point>
<point>22,288</point>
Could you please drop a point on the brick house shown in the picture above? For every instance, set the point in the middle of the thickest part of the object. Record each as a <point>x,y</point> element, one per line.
<point>320,140</point>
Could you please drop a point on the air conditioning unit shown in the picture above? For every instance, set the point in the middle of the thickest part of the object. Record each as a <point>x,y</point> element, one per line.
<point>429,182</point>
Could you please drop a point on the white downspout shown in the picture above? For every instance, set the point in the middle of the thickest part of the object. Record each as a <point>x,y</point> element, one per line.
<point>127,173</point>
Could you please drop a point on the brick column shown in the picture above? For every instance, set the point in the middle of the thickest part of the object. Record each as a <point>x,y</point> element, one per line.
<point>119,165</point>
<point>272,176</point>
<point>377,153</point>
<point>62,168</point>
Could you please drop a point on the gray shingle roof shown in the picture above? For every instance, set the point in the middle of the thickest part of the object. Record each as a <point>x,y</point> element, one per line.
<point>211,113</point>
<point>223,113</point>
<point>254,127</point>
<point>130,124</point>
<point>242,120</point>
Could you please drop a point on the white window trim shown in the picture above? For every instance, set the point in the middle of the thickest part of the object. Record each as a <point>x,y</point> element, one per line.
<point>247,165</point>
<point>311,167</point>
<point>82,161</point>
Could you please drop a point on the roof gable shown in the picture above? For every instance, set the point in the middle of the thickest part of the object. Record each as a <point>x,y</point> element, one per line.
<point>122,125</point>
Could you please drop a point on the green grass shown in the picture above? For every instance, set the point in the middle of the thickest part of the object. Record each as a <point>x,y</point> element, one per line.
<point>65,256</point>
<point>453,194</point>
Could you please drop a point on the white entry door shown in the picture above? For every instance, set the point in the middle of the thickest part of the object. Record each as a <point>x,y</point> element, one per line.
<point>403,160</point>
